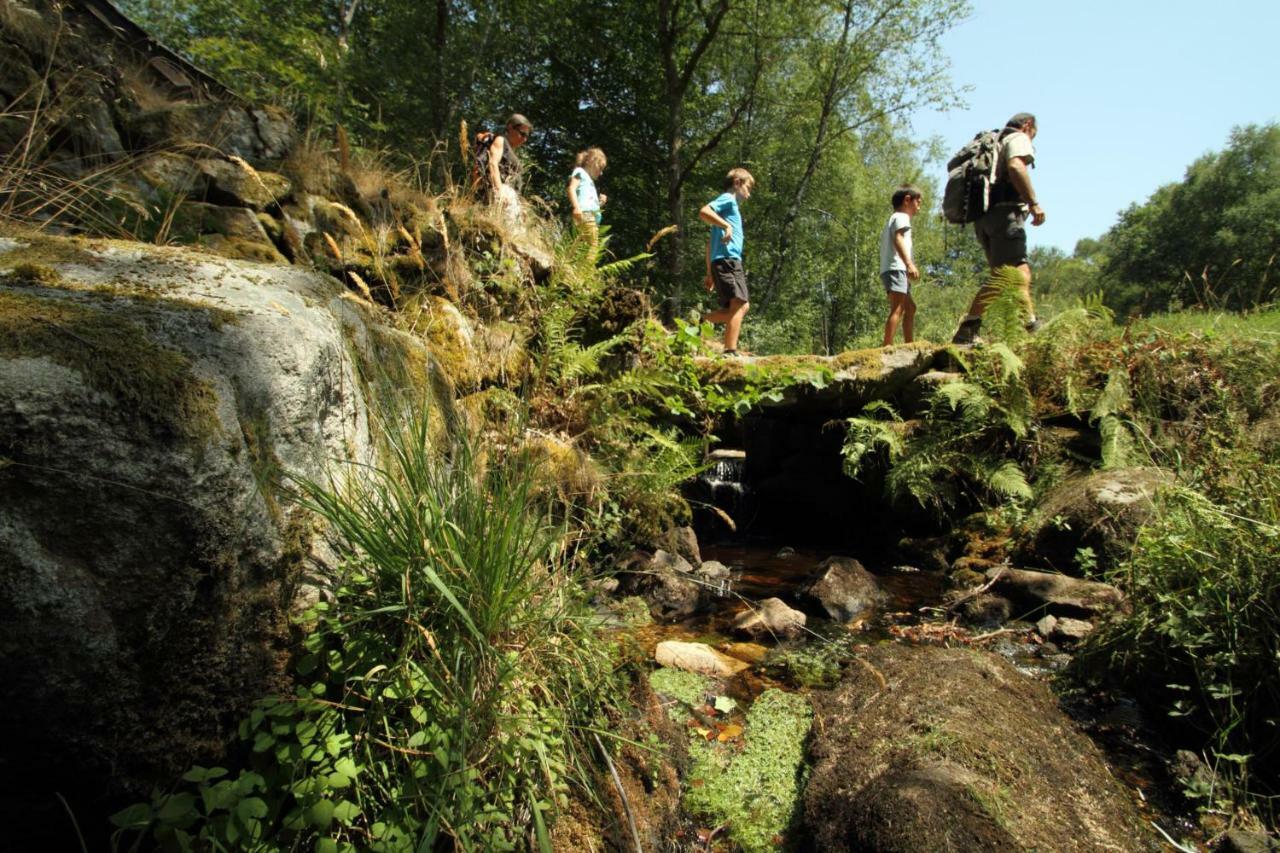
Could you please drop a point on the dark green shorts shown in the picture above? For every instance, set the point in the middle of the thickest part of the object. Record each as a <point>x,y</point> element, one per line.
<point>1002,232</point>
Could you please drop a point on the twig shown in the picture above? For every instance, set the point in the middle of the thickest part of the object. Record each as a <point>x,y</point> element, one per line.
<point>994,633</point>
<point>1176,845</point>
<point>884,685</point>
<point>626,804</point>
<point>713,835</point>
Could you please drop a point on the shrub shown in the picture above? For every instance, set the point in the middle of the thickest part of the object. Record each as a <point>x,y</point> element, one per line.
<point>441,691</point>
<point>1200,639</point>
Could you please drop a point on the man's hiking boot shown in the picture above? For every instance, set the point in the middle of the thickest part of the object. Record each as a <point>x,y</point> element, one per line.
<point>968,332</point>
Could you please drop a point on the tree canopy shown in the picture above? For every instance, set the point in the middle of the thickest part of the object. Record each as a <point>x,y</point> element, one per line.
<point>812,98</point>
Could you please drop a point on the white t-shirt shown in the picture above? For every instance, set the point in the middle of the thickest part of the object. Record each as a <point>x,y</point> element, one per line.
<point>889,257</point>
<point>1016,144</point>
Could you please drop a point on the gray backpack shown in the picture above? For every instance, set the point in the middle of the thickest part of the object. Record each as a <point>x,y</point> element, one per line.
<point>970,175</point>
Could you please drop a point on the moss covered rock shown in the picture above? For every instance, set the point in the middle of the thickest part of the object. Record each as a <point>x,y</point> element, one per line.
<point>150,401</point>
<point>927,748</point>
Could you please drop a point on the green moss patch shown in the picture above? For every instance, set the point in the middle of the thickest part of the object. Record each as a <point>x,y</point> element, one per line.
<point>687,687</point>
<point>754,791</point>
<point>116,356</point>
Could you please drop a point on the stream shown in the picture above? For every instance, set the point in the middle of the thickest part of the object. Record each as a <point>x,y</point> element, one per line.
<point>913,612</point>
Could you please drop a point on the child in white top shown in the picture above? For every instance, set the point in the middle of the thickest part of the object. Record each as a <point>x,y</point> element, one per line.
<point>897,268</point>
<point>583,198</point>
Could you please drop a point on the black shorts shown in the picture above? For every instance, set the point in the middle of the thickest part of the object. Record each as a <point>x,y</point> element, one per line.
<point>1002,232</point>
<point>731,280</point>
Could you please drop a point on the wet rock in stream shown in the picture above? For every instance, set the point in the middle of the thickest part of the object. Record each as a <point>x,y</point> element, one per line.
<point>842,589</point>
<point>665,581</point>
<point>951,749</point>
<point>697,657</point>
<point>770,619</point>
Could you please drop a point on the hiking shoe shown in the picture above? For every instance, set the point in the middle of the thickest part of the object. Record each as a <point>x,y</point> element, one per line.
<point>968,332</point>
<point>1033,325</point>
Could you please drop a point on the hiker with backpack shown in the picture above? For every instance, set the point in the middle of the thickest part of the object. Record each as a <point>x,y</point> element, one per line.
<point>989,184</point>
<point>499,169</point>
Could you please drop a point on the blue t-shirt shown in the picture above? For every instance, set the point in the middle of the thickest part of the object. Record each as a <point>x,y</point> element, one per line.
<point>726,205</point>
<point>588,198</point>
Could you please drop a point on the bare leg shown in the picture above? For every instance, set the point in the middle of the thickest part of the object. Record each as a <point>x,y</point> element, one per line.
<point>733,323</point>
<point>908,320</point>
<point>897,309</point>
<point>988,292</point>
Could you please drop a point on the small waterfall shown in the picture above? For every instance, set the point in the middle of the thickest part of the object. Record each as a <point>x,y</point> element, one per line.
<point>722,484</point>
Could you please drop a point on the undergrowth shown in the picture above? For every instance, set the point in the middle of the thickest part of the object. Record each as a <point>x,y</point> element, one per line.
<point>443,692</point>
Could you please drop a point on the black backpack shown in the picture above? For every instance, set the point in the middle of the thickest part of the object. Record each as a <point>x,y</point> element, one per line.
<point>480,160</point>
<point>970,176</point>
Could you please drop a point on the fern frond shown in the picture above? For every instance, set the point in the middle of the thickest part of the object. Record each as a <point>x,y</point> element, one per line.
<point>1118,444</point>
<point>1003,478</point>
<point>1010,363</point>
<point>1115,398</point>
<point>617,268</point>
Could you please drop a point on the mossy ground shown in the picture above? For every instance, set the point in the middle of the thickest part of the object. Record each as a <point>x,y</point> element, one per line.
<point>755,790</point>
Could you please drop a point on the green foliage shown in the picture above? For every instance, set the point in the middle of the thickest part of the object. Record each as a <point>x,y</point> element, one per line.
<point>964,444</point>
<point>1208,240</point>
<point>1204,593</point>
<point>441,692</point>
<point>754,791</point>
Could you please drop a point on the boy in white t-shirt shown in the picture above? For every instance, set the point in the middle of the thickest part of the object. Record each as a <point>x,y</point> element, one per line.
<point>897,268</point>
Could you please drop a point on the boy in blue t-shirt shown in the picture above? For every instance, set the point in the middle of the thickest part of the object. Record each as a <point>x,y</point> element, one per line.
<point>725,273</point>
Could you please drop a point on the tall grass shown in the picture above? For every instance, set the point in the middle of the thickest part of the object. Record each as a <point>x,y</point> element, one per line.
<point>1200,638</point>
<point>443,688</point>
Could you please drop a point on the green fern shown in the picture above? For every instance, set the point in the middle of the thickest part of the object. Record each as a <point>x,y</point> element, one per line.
<point>1007,311</point>
<point>866,435</point>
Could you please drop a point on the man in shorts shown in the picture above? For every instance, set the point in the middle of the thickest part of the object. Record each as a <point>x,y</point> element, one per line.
<point>726,275</point>
<point>1002,229</point>
<point>897,269</point>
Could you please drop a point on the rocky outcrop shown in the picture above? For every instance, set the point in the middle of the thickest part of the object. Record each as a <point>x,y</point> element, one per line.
<point>842,589</point>
<point>840,384</point>
<point>927,748</point>
<point>665,581</point>
<point>1100,511</point>
<point>150,402</point>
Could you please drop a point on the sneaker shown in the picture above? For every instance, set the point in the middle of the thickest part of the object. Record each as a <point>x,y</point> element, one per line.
<point>1033,325</point>
<point>968,332</point>
<point>732,353</point>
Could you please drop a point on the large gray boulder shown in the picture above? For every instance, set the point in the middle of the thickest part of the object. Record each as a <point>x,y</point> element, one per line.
<point>1101,511</point>
<point>150,400</point>
<point>928,748</point>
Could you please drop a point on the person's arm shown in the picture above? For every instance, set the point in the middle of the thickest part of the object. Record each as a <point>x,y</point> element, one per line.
<point>708,215</point>
<point>573,197</point>
<point>1020,177</point>
<point>900,246</point>
<point>496,147</point>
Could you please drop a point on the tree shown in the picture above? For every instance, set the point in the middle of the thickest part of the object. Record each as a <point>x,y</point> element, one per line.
<point>1211,239</point>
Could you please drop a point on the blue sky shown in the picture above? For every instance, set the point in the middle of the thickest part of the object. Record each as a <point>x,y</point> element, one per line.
<point>1127,93</point>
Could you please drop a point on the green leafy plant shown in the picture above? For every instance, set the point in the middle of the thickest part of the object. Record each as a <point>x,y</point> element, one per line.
<point>442,690</point>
